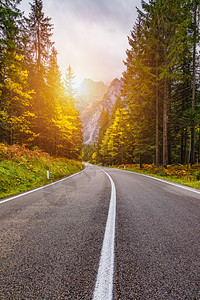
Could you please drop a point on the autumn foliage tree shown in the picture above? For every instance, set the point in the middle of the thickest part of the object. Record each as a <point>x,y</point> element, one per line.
<point>16,118</point>
<point>34,107</point>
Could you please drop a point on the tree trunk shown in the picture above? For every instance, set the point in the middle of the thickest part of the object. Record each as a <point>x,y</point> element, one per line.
<point>199,147</point>
<point>165,96</point>
<point>11,135</point>
<point>182,146</point>
<point>165,124</point>
<point>140,160</point>
<point>157,116</point>
<point>169,138</point>
<point>185,145</point>
<point>39,50</point>
<point>189,151</point>
<point>192,159</point>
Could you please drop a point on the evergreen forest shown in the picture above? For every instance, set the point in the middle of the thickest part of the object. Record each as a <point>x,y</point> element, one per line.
<point>37,108</point>
<point>157,116</point>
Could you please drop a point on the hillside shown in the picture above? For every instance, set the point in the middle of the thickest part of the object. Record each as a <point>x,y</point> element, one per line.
<point>22,169</point>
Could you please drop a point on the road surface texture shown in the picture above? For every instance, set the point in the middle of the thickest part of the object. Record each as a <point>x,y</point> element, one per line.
<point>51,239</point>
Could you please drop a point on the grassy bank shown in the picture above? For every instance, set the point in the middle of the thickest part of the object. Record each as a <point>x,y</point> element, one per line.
<point>22,169</point>
<point>189,176</point>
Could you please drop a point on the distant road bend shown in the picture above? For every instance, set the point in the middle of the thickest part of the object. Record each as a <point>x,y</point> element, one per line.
<point>101,234</point>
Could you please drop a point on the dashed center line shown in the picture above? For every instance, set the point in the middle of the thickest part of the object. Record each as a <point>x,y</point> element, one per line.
<point>104,281</point>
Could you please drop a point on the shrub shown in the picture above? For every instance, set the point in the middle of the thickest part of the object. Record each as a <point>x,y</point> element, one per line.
<point>198,175</point>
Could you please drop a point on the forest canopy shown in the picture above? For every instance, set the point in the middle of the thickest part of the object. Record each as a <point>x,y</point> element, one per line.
<point>36,107</point>
<point>157,118</point>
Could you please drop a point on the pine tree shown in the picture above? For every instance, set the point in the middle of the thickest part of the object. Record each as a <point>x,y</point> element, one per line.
<point>103,124</point>
<point>138,88</point>
<point>69,83</point>
<point>40,33</point>
<point>15,124</point>
<point>195,11</point>
<point>39,46</point>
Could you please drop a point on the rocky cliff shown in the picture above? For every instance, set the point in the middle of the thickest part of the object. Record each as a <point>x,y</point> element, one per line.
<point>91,103</point>
<point>89,92</point>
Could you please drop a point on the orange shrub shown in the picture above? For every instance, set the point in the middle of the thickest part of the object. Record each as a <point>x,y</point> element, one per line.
<point>178,170</point>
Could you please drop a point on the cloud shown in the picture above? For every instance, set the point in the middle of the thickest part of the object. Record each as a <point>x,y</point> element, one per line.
<point>98,11</point>
<point>91,35</point>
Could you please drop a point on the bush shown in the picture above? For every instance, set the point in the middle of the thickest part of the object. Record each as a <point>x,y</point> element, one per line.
<point>198,175</point>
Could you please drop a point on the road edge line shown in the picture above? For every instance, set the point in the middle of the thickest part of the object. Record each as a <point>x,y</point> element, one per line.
<point>168,182</point>
<point>104,280</point>
<point>39,188</point>
<point>190,189</point>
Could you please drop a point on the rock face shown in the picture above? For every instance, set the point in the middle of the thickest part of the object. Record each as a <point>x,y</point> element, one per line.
<point>93,96</point>
<point>88,93</point>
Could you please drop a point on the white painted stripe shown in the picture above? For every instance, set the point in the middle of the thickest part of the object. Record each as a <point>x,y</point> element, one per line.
<point>104,281</point>
<point>37,189</point>
<point>166,181</point>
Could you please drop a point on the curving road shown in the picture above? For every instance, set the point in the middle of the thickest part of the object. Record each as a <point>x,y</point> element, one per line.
<point>51,239</point>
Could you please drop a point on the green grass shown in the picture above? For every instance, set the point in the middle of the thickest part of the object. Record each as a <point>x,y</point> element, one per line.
<point>22,169</point>
<point>190,181</point>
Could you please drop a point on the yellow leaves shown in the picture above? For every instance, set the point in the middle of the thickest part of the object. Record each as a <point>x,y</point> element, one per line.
<point>10,85</point>
<point>167,172</point>
<point>22,124</point>
<point>19,58</point>
<point>15,79</point>
<point>29,114</point>
<point>115,138</point>
<point>177,171</point>
<point>18,74</point>
<point>23,75</point>
<point>3,115</point>
<point>65,124</point>
<point>32,137</point>
<point>94,157</point>
<point>3,147</point>
<point>18,89</point>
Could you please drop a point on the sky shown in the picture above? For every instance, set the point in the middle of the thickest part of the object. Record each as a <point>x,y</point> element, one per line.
<point>91,35</point>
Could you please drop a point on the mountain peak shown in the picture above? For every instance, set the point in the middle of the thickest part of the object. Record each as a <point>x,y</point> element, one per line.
<point>89,87</point>
<point>92,103</point>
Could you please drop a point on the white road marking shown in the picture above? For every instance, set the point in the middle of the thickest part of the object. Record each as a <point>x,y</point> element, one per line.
<point>37,189</point>
<point>104,281</point>
<point>168,182</point>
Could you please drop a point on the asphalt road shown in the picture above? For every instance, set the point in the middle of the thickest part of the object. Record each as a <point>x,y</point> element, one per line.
<point>51,239</point>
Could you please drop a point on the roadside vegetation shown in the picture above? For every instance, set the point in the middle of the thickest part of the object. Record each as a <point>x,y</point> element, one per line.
<point>22,169</point>
<point>182,174</point>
